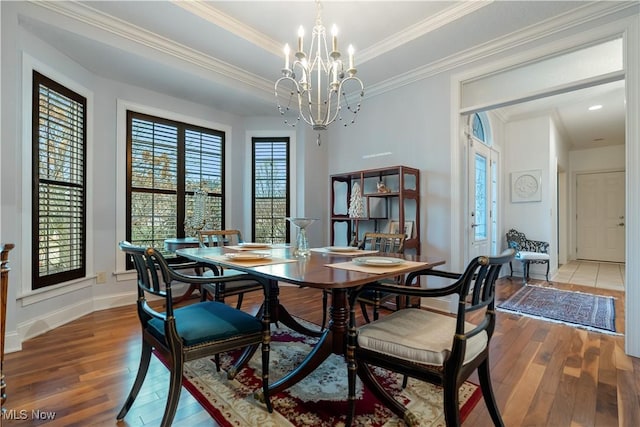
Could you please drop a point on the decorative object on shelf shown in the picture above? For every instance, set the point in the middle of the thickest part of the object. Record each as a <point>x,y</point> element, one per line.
<point>197,220</point>
<point>302,243</point>
<point>356,204</point>
<point>525,186</point>
<point>382,187</point>
<point>394,228</point>
<point>354,240</point>
<point>316,87</point>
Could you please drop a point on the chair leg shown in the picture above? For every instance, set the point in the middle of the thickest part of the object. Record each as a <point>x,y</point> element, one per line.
<point>145,358</point>
<point>175,387</point>
<point>376,311</point>
<point>265,376</point>
<point>239,303</point>
<point>451,404</point>
<point>487,392</point>
<point>511,268</point>
<point>351,396</point>
<point>324,310</point>
<point>547,271</point>
<point>365,314</point>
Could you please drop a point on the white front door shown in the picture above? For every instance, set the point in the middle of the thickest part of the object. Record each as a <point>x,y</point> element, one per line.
<point>483,196</point>
<point>600,207</point>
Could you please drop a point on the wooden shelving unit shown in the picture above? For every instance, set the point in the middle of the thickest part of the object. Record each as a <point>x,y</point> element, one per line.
<point>398,208</point>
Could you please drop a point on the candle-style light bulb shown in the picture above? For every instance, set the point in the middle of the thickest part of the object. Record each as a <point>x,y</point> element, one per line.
<point>300,37</point>
<point>286,56</point>
<point>351,51</point>
<point>334,33</point>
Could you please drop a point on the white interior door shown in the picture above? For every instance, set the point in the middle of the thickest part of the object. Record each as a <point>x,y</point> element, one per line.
<point>600,207</point>
<point>483,196</point>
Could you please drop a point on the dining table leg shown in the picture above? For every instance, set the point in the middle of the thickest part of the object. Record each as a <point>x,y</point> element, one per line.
<point>278,314</point>
<point>332,341</point>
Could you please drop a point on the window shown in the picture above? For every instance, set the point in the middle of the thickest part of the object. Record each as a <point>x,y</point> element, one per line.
<point>175,179</point>
<point>478,127</point>
<point>59,182</point>
<point>270,206</point>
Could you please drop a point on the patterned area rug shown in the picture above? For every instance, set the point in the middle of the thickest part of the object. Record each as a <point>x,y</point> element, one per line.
<point>318,400</point>
<point>593,312</point>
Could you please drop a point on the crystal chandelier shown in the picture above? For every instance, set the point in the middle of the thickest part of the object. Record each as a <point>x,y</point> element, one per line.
<point>316,87</point>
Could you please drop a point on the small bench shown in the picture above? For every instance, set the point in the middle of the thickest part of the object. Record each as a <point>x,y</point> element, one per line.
<point>528,252</point>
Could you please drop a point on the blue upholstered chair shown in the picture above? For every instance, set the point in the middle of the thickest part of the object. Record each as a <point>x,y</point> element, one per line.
<point>528,252</point>
<point>198,330</point>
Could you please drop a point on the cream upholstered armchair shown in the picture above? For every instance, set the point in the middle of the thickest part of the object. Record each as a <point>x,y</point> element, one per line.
<point>528,252</point>
<point>427,345</point>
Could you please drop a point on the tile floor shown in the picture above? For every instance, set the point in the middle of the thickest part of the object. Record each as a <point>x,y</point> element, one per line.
<point>603,275</point>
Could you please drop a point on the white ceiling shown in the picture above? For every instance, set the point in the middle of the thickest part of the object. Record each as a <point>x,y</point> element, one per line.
<point>228,54</point>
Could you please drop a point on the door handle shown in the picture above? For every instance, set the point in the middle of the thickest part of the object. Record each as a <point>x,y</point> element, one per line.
<point>621,224</point>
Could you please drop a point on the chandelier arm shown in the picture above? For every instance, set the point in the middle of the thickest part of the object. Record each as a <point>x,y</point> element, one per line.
<point>322,67</point>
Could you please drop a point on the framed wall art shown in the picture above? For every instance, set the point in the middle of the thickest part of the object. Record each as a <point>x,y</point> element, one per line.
<point>526,186</point>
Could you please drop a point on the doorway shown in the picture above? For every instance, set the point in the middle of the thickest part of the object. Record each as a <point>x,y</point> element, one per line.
<point>628,31</point>
<point>482,188</point>
<point>600,209</point>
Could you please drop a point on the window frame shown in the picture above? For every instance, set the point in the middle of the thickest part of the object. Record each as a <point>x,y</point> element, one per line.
<point>182,127</point>
<point>276,139</point>
<point>39,281</point>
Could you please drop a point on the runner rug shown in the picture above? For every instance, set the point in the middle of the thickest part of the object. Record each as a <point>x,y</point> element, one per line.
<point>593,312</point>
<point>318,400</point>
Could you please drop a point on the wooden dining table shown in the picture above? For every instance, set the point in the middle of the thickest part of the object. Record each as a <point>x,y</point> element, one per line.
<point>322,269</point>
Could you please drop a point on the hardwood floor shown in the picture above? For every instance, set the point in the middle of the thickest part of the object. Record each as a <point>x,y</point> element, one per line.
<point>544,374</point>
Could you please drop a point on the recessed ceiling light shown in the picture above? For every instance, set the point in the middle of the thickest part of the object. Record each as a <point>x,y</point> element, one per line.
<point>595,107</point>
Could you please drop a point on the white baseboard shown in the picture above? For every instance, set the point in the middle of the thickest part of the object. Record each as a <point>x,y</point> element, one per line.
<point>41,324</point>
<point>12,342</point>
<point>115,300</point>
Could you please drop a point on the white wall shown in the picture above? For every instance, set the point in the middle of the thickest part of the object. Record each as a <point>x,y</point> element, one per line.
<point>407,124</point>
<point>528,147</point>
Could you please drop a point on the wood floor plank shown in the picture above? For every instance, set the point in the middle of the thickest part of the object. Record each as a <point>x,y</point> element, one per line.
<point>544,374</point>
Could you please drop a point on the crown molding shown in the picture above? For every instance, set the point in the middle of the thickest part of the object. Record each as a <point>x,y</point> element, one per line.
<point>87,15</point>
<point>206,11</point>
<point>557,24</point>
<point>84,13</point>
<point>448,15</point>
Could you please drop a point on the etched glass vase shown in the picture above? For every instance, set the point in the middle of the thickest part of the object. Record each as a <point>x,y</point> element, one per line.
<point>302,243</point>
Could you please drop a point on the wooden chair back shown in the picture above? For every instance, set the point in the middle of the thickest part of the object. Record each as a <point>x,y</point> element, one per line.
<point>211,238</point>
<point>389,243</point>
